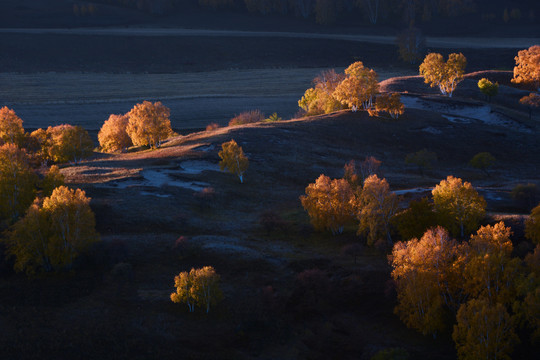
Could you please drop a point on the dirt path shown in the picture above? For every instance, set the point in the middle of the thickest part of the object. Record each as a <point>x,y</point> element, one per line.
<point>436,42</point>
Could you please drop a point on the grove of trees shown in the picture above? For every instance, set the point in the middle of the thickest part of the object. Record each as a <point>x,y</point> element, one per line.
<point>198,287</point>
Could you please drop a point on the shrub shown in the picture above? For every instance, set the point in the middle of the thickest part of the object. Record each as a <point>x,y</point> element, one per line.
<point>247,117</point>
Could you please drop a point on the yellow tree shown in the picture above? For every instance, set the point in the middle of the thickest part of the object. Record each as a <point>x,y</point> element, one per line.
<point>206,288</point>
<point>184,294</point>
<point>329,203</point>
<point>530,308</point>
<point>149,124</point>
<point>233,159</point>
<point>359,86</point>
<point>11,128</point>
<point>484,331</point>
<point>427,276</point>
<point>490,271</point>
<point>319,99</point>
<point>375,208</point>
<point>459,205</point>
<point>113,135</point>
<point>67,143</point>
<point>527,69</point>
<point>444,75</point>
<point>17,182</point>
<point>488,88</point>
<point>390,103</point>
<point>198,287</point>
<point>53,232</point>
<point>532,225</point>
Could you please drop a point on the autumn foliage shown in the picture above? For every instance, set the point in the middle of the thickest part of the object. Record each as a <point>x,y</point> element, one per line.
<point>359,86</point>
<point>113,135</point>
<point>17,182</point>
<point>444,75</point>
<point>459,205</point>
<point>63,143</point>
<point>149,124</point>
<point>199,287</point>
<point>532,225</point>
<point>330,204</point>
<point>389,103</point>
<point>53,232</point>
<point>11,128</point>
<point>233,159</point>
<point>527,69</point>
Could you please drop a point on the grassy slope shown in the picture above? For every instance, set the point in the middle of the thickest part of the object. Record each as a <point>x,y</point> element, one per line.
<point>95,312</point>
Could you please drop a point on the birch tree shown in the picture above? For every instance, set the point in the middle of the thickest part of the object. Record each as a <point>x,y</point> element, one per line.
<point>444,75</point>
<point>113,135</point>
<point>53,232</point>
<point>233,159</point>
<point>17,182</point>
<point>11,128</point>
<point>459,205</point>
<point>359,86</point>
<point>532,225</point>
<point>428,279</point>
<point>149,124</point>
<point>484,331</point>
<point>527,69</point>
<point>375,208</point>
<point>199,287</point>
<point>329,204</point>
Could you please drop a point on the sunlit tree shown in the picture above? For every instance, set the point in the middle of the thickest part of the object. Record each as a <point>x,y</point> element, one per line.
<point>233,159</point>
<point>389,103</point>
<point>198,287</point>
<point>527,69</point>
<point>484,331</point>
<point>375,208</point>
<point>488,88</point>
<point>149,124</point>
<point>320,99</point>
<point>329,204</point>
<point>66,143</point>
<point>459,205</point>
<point>427,279</point>
<point>11,128</point>
<point>490,271</point>
<point>53,232</point>
<point>359,86</point>
<point>17,182</point>
<point>444,75</point>
<point>113,135</point>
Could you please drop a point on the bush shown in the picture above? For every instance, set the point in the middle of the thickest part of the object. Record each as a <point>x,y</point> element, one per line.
<point>212,126</point>
<point>247,117</point>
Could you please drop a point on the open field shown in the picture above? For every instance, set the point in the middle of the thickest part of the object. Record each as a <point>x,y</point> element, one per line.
<point>195,99</point>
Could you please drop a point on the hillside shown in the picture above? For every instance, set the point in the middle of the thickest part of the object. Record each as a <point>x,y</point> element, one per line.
<point>157,217</point>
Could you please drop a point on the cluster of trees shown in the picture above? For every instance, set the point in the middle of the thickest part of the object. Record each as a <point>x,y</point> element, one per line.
<point>48,225</point>
<point>333,204</point>
<point>356,88</point>
<point>147,124</point>
<point>366,201</point>
<point>476,285</point>
<point>198,287</point>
